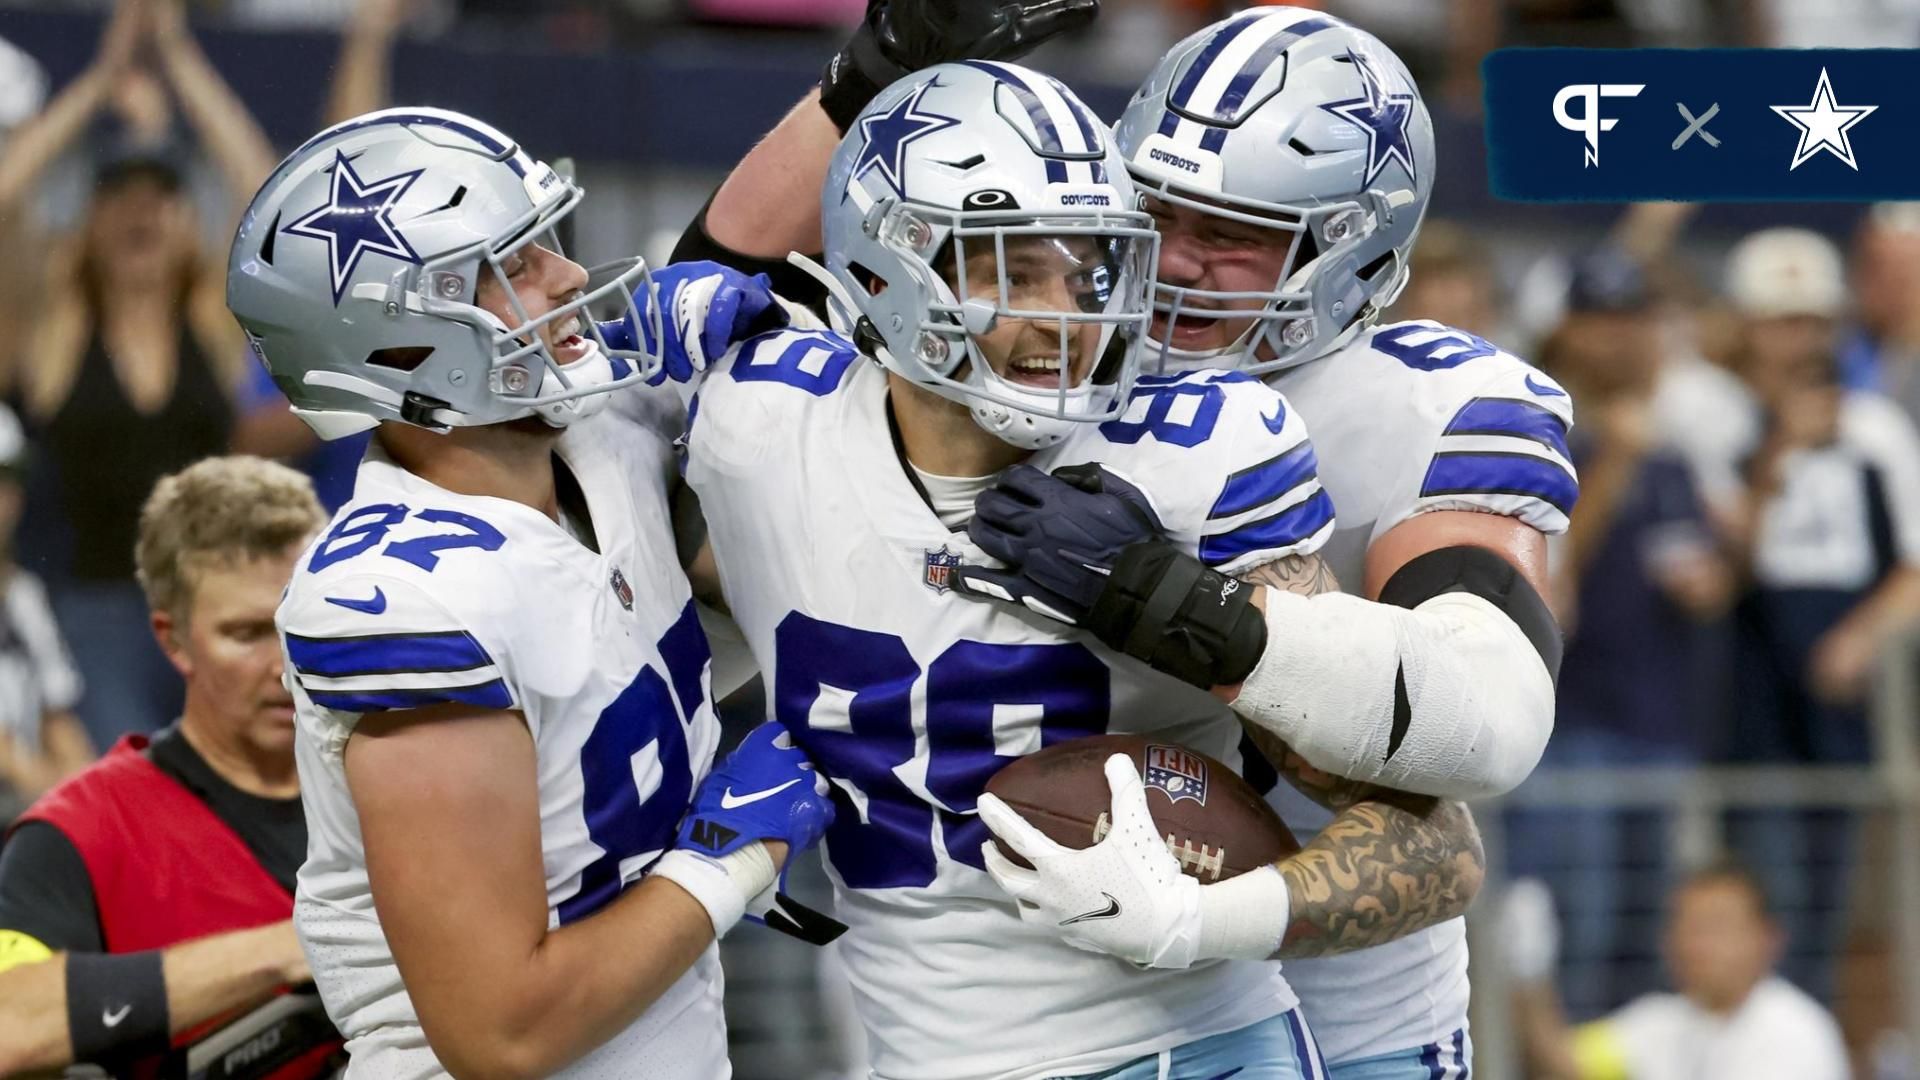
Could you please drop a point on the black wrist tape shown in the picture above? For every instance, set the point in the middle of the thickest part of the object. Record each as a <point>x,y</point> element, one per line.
<point>116,1006</point>
<point>1165,607</point>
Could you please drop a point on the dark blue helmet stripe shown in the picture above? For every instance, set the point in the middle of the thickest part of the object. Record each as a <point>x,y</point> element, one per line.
<point>1198,69</point>
<point>1263,58</point>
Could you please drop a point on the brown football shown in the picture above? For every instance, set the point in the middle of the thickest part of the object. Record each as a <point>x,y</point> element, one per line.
<point>1215,822</point>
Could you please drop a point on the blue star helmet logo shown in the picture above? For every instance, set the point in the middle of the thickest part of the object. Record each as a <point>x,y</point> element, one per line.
<point>887,135</point>
<point>1382,115</point>
<point>357,219</point>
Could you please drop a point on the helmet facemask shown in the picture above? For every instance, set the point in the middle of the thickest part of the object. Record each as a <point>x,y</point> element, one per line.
<point>1285,322</point>
<point>1033,320</point>
<point>524,371</point>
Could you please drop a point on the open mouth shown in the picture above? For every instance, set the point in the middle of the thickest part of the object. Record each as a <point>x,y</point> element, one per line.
<point>569,345</point>
<point>1041,371</point>
<point>1194,330</point>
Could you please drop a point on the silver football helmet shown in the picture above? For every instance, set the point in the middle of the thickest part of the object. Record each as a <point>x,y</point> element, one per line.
<point>354,273</point>
<point>1286,119</point>
<point>981,229</point>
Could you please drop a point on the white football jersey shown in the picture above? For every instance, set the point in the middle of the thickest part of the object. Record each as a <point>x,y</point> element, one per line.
<point>909,696</point>
<point>1409,418</point>
<point>415,596</point>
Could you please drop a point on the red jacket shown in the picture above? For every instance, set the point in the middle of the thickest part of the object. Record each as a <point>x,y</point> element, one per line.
<point>165,868</point>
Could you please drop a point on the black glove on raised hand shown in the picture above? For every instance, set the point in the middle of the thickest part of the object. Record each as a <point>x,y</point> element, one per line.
<point>1059,534</point>
<point>902,36</point>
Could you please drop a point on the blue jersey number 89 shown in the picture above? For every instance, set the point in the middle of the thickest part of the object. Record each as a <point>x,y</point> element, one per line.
<point>887,840</point>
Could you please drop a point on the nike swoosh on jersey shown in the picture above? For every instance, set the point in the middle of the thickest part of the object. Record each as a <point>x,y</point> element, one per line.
<point>112,1017</point>
<point>728,800</point>
<point>372,605</point>
<point>1278,420</point>
<point>1108,912</point>
<point>1544,389</point>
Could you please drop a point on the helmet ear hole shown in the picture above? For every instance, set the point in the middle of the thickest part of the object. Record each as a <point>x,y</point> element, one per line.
<point>399,358</point>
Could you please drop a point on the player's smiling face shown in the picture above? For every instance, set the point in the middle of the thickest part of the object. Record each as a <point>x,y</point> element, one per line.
<point>1066,274</point>
<point>1214,253</point>
<point>542,280</point>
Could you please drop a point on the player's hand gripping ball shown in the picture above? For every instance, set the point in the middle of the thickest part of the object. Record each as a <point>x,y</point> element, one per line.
<point>1108,840</point>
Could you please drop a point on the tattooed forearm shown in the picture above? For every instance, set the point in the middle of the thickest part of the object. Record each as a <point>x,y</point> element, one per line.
<point>1389,864</point>
<point>1304,574</point>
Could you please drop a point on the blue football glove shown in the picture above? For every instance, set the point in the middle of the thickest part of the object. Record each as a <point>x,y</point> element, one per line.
<point>1059,533</point>
<point>706,308</point>
<point>765,790</point>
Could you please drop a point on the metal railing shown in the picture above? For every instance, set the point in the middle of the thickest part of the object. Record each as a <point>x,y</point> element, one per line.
<point>1696,804</point>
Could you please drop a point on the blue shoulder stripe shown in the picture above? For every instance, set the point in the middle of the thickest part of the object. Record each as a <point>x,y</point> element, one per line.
<point>386,654</point>
<point>1512,417</point>
<point>1258,485</point>
<point>1289,526</point>
<point>492,695</point>
<point>1495,473</point>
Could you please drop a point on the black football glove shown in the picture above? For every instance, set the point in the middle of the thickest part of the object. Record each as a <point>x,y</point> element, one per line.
<point>1083,546</point>
<point>1059,533</point>
<point>902,36</point>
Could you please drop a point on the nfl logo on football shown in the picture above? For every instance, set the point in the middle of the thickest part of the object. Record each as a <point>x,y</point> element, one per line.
<point>940,566</point>
<point>1178,772</point>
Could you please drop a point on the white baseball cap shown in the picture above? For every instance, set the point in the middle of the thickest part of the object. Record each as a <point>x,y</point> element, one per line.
<point>1775,273</point>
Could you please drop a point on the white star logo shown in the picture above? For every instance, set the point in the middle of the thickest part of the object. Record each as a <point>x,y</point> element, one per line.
<point>1823,125</point>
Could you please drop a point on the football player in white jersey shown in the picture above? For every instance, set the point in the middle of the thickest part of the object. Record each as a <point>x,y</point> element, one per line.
<point>993,281</point>
<point>501,684</point>
<point>1450,453</point>
<point>1287,160</point>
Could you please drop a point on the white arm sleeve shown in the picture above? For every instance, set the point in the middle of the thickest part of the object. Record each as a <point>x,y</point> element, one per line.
<point>1478,701</point>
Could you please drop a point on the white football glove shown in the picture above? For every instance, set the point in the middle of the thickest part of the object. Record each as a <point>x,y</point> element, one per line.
<point>1126,896</point>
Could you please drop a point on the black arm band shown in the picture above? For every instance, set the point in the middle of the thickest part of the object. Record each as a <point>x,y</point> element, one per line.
<point>1483,573</point>
<point>1169,609</point>
<point>116,1006</point>
<point>789,281</point>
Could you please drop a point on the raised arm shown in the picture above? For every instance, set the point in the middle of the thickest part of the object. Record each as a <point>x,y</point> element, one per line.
<point>362,77</point>
<point>232,137</point>
<point>770,204</point>
<point>25,155</point>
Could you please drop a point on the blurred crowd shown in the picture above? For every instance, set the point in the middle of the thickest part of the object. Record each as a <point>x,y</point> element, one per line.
<point>1745,555</point>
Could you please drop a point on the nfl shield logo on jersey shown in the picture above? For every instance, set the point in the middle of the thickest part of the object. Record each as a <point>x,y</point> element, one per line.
<point>1179,772</point>
<point>940,566</point>
<point>621,589</point>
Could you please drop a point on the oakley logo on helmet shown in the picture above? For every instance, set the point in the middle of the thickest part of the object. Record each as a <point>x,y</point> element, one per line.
<point>990,199</point>
<point>357,219</point>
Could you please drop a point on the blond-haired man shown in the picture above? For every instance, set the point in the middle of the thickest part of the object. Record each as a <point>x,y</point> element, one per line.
<point>152,892</point>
